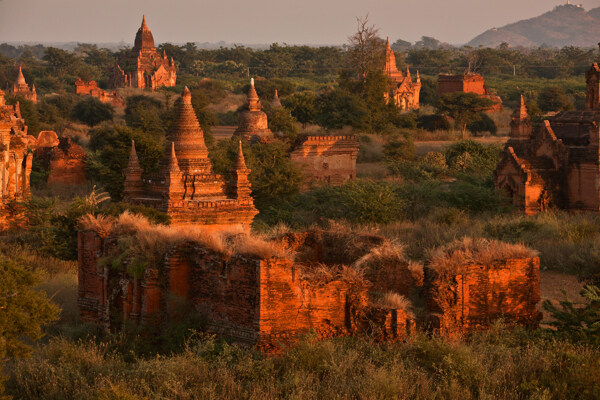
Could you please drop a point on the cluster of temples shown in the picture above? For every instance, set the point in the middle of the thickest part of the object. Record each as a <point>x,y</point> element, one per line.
<point>90,88</point>
<point>143,67</point>
<point>556,164</point>
<point>186,188</point>
<point>403,90</point>
<point>21,88</point>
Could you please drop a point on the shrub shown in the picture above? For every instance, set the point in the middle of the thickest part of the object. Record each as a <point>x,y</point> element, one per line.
<point>399,148</point>
<point>92,111</point>
<point>483,123</point>
<point>473,157</point>
<point>433,123</point>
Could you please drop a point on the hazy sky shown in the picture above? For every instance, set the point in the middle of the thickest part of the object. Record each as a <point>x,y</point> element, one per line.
<point>259,21</point>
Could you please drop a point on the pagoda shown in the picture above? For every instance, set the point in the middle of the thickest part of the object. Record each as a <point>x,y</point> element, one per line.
<point>21,88</point>
<point>253,124</point>
<point>143,66</point>
<point>402,89</point>
<point>186,188</point>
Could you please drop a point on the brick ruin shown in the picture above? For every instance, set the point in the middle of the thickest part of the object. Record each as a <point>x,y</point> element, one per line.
<point>403,90</point>
<point>554,165</point>
<point>186,188</point>
<point>270,293</point>
<point>467,83</point>
<point>253,124</point>
<point>143,67</point>
<point>327,159</point>
<point>21,88</point>
<point>16,159</point>
<point>64,159</point>
<point>90,88</point>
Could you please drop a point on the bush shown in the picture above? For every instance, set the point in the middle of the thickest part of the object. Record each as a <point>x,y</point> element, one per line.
<point>433,123</point>
<point>399,149</point>
<point>472,157</point>
<point>554,99</point>
<point>483,123</point>
<point>92,111</point>
<point>145,113</point>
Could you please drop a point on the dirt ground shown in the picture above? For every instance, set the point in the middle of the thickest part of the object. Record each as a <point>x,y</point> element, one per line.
<point>551,285</point>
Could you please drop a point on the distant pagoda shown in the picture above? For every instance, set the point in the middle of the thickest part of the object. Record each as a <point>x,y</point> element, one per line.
<point>143,67</point>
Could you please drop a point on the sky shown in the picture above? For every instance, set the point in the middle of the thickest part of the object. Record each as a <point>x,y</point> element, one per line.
<point>259,21</point>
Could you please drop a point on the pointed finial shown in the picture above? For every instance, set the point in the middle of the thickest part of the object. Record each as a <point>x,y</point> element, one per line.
<point>173,163</point>
<point>144,25</point>
<point>186,96</point>
<point>522,101</point>
<point>252,82</point>
<point>387,43</point>
<point>164,53</point>
<point>407,71</point>
<point>133,158</point>
<point>418,77</point>
<point>241,162</point>
<point>20,77</point>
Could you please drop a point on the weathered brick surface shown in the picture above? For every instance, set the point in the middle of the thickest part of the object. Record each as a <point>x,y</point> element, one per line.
<point>253,124</point>
<point>467,83</point>
<point>91,88</point>
<point>65,161</point>
<point>476,295</point>
<point>327,159</point>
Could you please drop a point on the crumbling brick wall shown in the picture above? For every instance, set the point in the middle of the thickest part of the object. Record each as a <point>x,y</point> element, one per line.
<point>65,162</point>
<point>473,296</point>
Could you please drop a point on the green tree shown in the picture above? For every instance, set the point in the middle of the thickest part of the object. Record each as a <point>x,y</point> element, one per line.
<point>281,121</point>
<point>337,108</point>
<point>473,157</point>
<point>275,178</point>
<point>145,113</point>
<point>554,99</point>
<point>92,111</point>
<point>111,145</point>
<point>400,148</point>
<point>464,108</point>
<point>302,106</point>
<point>483,123</point>
<point>23,310</point>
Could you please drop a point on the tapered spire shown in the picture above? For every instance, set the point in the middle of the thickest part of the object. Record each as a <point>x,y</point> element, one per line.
<point>387,43</point>
<point>407,71</point>
<point>144,25</point>
<point>133,158</point>
<point>276,103</point>
<point>241,161</point>
<point>418,77</point>
<point>173,163</point>
<point>253,100</point>
<point>143,38</point>
<point>20,77</point>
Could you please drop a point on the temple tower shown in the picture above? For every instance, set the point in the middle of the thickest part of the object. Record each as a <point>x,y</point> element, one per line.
<point>134,187</point>
<point>253,123</point>
<point>520,124</point>
<point>240,184</point>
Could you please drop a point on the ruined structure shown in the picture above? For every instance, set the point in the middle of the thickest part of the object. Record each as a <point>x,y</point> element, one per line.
<point>91,88</point>
<point>186,188</point>
<point>143,67</point>
<point>402,90</point>
<point>15,162</point>
<point>555,165</point>
<point>21,88</point>
<point>467,83</point>
<point>465,294</point>
<point>327,159</point>
<point>64,159</point>
<point>271,293</point>
<point>252,121</point>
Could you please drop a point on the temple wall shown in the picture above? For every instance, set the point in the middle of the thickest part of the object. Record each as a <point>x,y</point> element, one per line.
<point>584,187</point>
<point>474,295</point>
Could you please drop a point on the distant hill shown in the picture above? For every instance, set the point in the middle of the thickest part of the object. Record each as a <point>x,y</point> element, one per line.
<point>566,25</point>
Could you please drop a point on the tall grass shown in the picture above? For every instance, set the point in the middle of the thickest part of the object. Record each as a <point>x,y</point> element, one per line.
<point>500,364</point>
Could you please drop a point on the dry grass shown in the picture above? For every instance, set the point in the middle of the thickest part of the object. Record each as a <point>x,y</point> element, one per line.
<point>321,274</point>
<point>393,301</point>
<point>151,241</point>
<point>466,251</point>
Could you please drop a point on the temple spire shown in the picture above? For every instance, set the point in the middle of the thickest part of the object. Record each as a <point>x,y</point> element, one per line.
<point>387,44</point>
<point>133,158</point>
<point>418,77</point>
<point>20,77</point>
<point>144,25</point>
<point>241,161</point>
<point>253,100</point>
<point>407,71</point>
<point>173,163</point>
<point>186,96</point>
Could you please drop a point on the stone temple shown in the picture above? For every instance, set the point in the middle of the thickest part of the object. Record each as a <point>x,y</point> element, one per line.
<point>554,165</point>
<point>467,83</point>
<point>21,88</point>
<point>143,67</point>
<point>16,157</point>
<point>402,89</point>
<point>253,124</point>
<point>186,188</point>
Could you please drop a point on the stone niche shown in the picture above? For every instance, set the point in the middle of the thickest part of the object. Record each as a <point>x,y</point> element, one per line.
<point>270,293</point>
